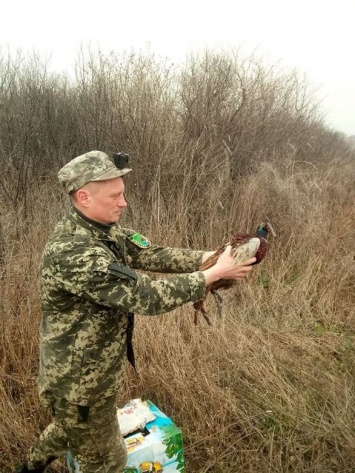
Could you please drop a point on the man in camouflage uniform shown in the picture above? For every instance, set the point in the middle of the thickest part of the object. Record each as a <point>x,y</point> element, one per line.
<point>89,292</point>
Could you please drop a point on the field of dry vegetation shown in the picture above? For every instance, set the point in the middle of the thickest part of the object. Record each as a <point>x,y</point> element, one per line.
<point>217,144</point>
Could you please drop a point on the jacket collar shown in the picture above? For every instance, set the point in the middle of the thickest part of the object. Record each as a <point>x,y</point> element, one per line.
<point>99,230</point>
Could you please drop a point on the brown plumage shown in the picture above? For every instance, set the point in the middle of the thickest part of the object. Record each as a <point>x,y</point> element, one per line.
<point>244,246</point>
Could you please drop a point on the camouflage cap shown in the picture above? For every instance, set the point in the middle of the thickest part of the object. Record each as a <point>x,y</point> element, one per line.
<point>91,166</point>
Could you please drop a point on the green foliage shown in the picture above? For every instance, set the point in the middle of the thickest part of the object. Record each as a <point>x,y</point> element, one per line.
<point>321,328</point>
<point>264,279</point>
<point>172,439</point>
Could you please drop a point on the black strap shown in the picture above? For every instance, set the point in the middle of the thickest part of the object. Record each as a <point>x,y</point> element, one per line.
<point>83,413</point>
<point>130,350</point>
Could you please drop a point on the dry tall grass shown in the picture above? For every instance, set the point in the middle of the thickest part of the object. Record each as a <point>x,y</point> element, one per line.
<point>270,386</point>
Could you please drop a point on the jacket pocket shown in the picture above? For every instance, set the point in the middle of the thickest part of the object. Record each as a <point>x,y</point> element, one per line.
<point>100,364</point>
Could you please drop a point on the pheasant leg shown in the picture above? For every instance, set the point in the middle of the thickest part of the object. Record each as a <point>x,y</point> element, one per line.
<point>219,300</point>
<point>204,313</point>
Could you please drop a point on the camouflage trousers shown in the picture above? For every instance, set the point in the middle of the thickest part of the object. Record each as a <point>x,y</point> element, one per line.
<point>92,434</point>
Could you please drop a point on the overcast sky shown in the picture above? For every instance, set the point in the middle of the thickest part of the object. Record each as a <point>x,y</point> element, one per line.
<point>316,37</point>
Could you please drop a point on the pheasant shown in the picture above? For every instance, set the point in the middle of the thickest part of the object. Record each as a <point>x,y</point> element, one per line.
<point>244,246</point>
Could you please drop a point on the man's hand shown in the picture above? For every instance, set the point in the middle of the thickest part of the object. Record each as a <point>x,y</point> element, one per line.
<point>226,269</point>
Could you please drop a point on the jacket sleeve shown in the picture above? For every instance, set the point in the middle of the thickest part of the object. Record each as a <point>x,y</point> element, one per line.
<point>91,274</point>
<point>162,259</point>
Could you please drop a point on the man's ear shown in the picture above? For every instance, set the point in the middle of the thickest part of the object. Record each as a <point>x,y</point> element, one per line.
<point>83,197</point>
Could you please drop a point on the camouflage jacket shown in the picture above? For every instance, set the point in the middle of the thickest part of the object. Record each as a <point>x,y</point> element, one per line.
<point>88,285</point>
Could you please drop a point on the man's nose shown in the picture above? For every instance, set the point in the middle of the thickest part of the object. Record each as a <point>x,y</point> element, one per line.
<point>122,202</point>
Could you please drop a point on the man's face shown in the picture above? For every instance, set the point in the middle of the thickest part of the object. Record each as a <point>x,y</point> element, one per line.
<point>106,200</point>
